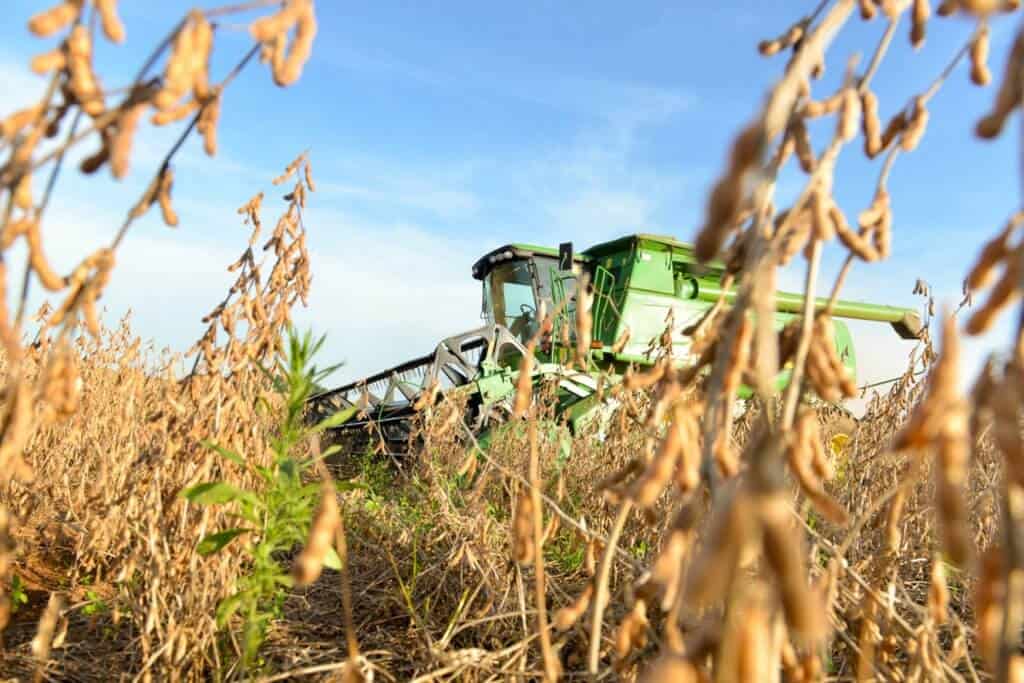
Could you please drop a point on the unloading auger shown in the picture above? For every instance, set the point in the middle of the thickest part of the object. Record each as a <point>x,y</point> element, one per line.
<point>636,281</point>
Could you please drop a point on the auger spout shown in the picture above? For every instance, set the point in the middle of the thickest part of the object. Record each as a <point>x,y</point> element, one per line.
<point>906,321</point>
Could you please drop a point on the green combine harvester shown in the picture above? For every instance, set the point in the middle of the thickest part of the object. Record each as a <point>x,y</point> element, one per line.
<point>635,281</point>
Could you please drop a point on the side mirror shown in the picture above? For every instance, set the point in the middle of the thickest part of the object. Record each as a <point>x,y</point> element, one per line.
<point>565,256</point>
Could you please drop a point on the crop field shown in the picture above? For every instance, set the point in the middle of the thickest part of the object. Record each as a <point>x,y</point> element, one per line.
<point>179,517</point>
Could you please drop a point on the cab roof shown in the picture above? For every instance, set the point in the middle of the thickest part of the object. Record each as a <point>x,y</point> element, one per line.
<point>507,252</point>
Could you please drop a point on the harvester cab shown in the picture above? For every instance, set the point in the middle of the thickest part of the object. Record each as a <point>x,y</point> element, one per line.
<point>636,284</point>
<point>522,282</point>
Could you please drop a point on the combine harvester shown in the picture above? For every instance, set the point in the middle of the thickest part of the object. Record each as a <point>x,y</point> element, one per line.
<point>635,282</point>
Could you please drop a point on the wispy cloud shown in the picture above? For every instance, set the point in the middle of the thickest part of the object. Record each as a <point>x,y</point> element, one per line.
<point>628,102</point>
<point>601,214</point>
<point>445,203</point>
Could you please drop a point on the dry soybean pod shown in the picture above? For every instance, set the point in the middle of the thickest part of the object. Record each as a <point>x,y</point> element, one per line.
<point>980,73</point>
<point>1009,94</point>
<point>113,29</point>
<point>919,20</point>
<point>48,22</point>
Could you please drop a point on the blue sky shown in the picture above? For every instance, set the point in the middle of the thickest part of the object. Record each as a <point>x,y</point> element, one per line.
<point>440,130</point>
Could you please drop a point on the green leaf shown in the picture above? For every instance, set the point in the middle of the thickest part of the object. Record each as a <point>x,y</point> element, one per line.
<point>288,471</point>
<point>227,607</point>
<point>331,450</point>
<point>310,489</point>
<point>212,493</point>
<point>262,406</point>
<point>331,559</point>
<point>230,455</point>
<point>265,472</point>
<point>336,420</point>
<point>211,543</point>
<point>343,486</point>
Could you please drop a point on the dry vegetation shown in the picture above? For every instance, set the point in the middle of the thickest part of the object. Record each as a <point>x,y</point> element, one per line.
<point>686,545</point>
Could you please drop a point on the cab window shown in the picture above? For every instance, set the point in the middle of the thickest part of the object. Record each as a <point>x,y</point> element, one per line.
<point>509,298</point>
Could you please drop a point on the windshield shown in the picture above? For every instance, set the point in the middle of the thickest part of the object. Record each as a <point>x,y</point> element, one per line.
<point>509,299</point>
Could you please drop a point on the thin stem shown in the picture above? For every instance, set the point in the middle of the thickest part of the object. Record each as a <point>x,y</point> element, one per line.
<point>601,585</point>
<point>879,54</point>
<point>946,72</point>
<point>806,332</point>
<point>838,284</point>
<point>159,50</point>
<point>51,182</point>
<point>99,123</point>
<point>241,7</point>
<point>551,668</point>
<point>341,546</point>
<point>184,136</point>
<point>588,533</point>
<point>817,11</point>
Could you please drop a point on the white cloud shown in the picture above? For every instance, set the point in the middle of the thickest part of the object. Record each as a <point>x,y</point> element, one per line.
<point>21,86</point>
<point>603,214</point>
<point>627,102</point>
<point>445,202</point>
<point>385,293</point>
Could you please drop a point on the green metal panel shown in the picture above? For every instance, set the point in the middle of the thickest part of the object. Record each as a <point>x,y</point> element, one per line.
<point>605,312</point>
<point>794,303</point>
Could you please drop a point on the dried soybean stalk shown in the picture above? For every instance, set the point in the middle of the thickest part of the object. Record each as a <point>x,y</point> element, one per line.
<point>176,113</point>
<point>632,632</point>
<point>170,216</point>
<point>178,75</point>
<point>871,124</point>
<point>309,563</point>
<point>272,32</point>
<point>38,261</point>
<point>916,126</point>
<point>727,196</point>
<point>803,452</point>
<point>662,582</point>
<point>791,37</point>
<point>48,22</point>
<point>646,489</point>
<point>84,84</point>
<point>53,60</point>
<point>980,73</point>
<point>112,26</point>
<point>940,419</point>
<point>202,46</point>
<point>830,105</point>
<point>569,615</point>
<point>208,119</point>
<point>804,151</point>
<point>849,114</point>
<point>522,528</point>
<point>121,145</point>
<point>997,252</point>
<point>301,48</point>
<point>919,20</point>
<point>1008,96</point>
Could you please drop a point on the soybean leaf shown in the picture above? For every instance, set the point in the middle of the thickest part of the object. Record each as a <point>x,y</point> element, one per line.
<point>224,452</point>
<point>227,607</point>
<point>211,543</point>
<point>331,559</point>
<point>336,420</point>
<point>213,492</point>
